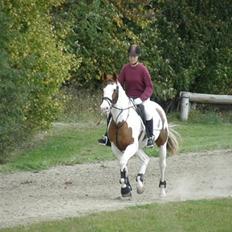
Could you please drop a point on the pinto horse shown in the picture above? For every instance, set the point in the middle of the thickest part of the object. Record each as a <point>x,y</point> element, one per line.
<point>127,134</point>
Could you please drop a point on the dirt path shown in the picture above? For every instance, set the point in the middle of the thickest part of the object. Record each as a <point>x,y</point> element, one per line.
<point>69,191</point>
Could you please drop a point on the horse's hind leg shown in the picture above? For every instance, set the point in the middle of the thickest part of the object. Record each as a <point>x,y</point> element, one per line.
<point>140,177</point>
<point>162,163</point>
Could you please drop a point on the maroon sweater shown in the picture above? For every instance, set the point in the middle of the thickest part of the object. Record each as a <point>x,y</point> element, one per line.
<point>136,81</point>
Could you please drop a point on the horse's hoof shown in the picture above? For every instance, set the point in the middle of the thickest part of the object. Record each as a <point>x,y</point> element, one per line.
<point>140,189</point>
<point>126,192</point>
<point>163,193</point>
<point>140,185</point>
<point>127,195</point>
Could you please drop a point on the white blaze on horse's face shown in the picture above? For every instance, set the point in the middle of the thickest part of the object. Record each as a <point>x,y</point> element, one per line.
<point>107,97</point>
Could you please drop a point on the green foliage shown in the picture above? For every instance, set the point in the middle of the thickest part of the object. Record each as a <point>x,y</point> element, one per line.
<point>81,106</point>
<point>185,44</point>
<point>100,36</point>
<point>195,39</point>
<point>34,67</point>
<point>11,87</point>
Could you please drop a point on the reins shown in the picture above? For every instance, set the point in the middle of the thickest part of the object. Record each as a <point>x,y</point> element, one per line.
<point>112,106</point>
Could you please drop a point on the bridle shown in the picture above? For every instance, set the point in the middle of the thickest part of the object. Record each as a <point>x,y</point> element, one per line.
<point>112,103</point>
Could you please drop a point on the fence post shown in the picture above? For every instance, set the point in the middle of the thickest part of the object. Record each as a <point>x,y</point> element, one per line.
<point>185,106</point>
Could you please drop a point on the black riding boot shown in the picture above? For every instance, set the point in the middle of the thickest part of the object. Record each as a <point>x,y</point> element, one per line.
<point>105,140</point>
<point>149,130</point>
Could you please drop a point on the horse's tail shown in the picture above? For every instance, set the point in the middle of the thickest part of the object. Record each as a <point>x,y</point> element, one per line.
<point>173,139</point>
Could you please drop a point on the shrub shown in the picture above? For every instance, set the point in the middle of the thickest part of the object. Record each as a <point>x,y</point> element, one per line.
<point>185,44</point>
<point>34,65</point>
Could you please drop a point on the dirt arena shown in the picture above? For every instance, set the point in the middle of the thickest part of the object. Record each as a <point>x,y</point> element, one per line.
<point>71,191</point>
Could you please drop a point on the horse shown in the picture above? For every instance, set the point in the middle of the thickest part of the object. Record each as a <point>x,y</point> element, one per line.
<point>127,134</point>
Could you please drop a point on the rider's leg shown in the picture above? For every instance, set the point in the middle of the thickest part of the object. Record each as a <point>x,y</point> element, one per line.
<point>105,140</point>
<point>149,123</point>
<point>150,136</point>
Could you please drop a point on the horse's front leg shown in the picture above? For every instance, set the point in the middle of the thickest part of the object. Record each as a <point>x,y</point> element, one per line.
<point>116,151</point>
<point>127,154</point>
<point>162,163</point>
<point>140,177</point>
<point>124,179</point>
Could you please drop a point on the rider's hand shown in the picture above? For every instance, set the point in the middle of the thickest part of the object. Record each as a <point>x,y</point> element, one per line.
<point>137,101</point>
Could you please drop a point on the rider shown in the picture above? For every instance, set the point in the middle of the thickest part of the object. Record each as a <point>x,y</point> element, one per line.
<point>136,81</point>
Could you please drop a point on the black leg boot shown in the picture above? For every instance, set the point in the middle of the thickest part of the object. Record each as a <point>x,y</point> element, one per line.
<point>125,184</point>
<point>105,140</point>
<point>149,130</point>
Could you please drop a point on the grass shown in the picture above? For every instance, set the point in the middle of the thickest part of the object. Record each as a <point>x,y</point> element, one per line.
<point>189,216</point>
<point>63,145</point>
<point>68,144</point>
<point>71,143</point>
<point>203,137</point>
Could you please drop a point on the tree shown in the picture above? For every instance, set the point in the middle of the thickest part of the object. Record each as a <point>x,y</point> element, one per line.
<point>36,64</point>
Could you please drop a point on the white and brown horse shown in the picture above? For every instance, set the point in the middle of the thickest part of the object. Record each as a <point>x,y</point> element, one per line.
<point>127,134</point>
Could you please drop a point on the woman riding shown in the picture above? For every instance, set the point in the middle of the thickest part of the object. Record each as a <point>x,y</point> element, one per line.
<point>136,81</point>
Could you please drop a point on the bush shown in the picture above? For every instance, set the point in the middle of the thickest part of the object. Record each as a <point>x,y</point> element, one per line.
<point>12,93</point>
<point>185,44</point>
<point>195,40</point>
<point>34,64</point>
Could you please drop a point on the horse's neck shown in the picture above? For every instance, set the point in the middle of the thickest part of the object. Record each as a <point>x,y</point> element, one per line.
<point>123,100</point>
<point>120,111</point>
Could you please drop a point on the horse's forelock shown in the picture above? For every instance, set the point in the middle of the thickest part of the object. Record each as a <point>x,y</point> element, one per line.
<point>109,79</point>
<point>109,83</point>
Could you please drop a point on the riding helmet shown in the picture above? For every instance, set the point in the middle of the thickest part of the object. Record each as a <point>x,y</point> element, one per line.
<point>134,50</point>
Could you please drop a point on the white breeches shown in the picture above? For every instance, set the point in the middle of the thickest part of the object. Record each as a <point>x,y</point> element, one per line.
<point>148,109</point>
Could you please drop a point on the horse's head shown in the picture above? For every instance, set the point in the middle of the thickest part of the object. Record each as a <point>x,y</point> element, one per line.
<point>110,92</point>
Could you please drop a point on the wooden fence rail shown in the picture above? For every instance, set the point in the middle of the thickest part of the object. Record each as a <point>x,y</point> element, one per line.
<point>187,97</point>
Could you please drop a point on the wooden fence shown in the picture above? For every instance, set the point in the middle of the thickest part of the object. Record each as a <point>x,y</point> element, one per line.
<point>187,97</point>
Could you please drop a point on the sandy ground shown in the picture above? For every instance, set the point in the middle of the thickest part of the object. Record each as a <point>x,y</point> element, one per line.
<point>70,191</point>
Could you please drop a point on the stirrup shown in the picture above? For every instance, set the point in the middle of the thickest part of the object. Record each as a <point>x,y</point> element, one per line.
<point>103,140</point>
<point>150,142</point>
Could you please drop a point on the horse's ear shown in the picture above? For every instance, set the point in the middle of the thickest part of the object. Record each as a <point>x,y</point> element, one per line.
<point>104,77</point>
<point>115,77</point>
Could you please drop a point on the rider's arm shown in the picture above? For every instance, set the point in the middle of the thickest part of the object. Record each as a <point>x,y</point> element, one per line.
<point>148,83</point>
